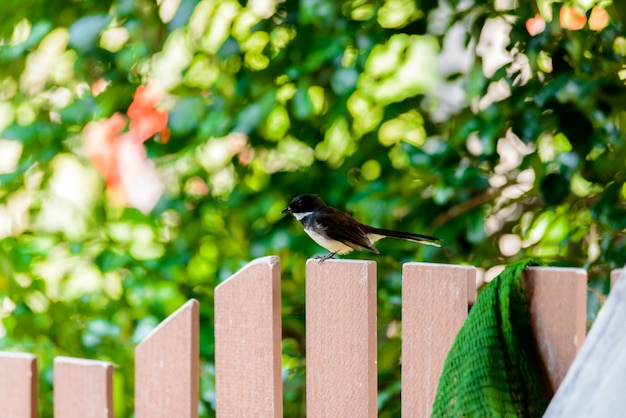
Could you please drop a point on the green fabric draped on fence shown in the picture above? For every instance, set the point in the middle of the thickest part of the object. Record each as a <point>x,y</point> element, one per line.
<point>493,368</point>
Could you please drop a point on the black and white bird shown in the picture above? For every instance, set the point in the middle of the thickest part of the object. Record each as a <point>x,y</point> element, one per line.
<point>339,232</point>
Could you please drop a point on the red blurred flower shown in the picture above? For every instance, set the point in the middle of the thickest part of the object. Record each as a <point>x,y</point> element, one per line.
<point>140,183</point>
<point>100,144</point>
<point>571,18</point>
<point>599,19</point>
<point>536,25</point>
<point>121,158</point>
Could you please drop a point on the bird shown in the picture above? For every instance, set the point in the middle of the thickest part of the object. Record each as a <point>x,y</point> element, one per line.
<point>339,232</point>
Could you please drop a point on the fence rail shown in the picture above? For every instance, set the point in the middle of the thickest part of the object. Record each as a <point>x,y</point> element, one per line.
<point>341,377</point>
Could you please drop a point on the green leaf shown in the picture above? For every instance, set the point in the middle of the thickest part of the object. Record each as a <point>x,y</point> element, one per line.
<point>85,30</point>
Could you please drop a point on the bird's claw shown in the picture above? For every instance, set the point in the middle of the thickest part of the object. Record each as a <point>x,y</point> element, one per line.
<point>322,258</point>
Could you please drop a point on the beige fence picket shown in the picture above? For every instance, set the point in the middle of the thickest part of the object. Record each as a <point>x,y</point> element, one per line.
<point>18,385</point>
<point>594,384</point>
<point>558,307</point>
<point>167,367</point>
<point>435,301</point>
<point>248,342</point>
<point>614,276</point>
<point>83,388</point>
<point>341,338</point>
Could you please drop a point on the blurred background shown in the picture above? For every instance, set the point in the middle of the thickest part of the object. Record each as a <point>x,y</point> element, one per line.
<point>148,147</point>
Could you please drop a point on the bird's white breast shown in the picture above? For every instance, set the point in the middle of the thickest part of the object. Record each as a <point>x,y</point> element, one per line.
<point>331,245</point>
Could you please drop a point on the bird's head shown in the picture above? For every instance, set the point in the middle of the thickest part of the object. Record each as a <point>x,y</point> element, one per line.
<point>305,203</point>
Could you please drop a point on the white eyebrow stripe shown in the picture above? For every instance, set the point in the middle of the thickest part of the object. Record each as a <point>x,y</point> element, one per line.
<point>300,216</point>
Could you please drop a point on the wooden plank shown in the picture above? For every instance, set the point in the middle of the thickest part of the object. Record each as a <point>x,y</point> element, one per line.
<point>82,388</point>
<point>167,367</point>
<point>594,384</point>
<point>18,385</point>
<point>435,300</point>
<point>615,274</point>
<point>558,306</point>
<point>248,342</point>
<point>341,370</point>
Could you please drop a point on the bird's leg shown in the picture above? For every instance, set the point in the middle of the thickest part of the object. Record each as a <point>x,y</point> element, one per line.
<point>322,258</point>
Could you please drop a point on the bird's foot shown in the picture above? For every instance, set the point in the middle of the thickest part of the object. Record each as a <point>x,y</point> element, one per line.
<point>322,258</point>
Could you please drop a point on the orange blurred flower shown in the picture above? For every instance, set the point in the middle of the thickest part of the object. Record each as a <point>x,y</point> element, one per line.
<point>599,19</point>
<point>99,86</point>
<point>571,18</point>
<point>536,25</point>
<point>145,119</point>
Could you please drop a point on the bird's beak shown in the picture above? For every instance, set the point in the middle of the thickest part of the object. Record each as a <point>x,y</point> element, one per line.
<point>286,210</point>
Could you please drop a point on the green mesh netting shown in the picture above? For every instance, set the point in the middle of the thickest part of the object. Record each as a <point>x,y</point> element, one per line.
<point>492,368</point>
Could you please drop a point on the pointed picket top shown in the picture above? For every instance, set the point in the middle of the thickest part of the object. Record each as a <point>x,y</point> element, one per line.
<point>167,367</point>
<point>18,385</point>
<point>262,264</point>
<point>248,342</point>
<point>83,388</point>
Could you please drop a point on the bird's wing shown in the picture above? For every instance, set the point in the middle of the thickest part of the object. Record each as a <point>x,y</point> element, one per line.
<point>346,229</point>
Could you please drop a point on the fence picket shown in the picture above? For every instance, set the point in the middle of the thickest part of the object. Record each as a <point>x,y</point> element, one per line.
<point>558,304</point>
<point>18,385</point>
<point>341,371</point>
<point>614,276</point>
<point>435,300</point>
<point>594,384</point>
<point>167,367</point>
<point>83,388</point>
<point>248,342</point>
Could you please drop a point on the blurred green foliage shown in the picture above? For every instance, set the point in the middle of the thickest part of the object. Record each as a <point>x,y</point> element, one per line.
<point>446,118</point>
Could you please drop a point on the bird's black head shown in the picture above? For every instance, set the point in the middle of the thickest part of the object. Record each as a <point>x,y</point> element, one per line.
<point>304,203</point>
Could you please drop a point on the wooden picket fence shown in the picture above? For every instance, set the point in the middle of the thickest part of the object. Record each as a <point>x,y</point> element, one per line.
<point>341,374</point>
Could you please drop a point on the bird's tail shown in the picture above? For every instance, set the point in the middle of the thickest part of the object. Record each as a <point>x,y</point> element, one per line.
<point>422,239</point>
